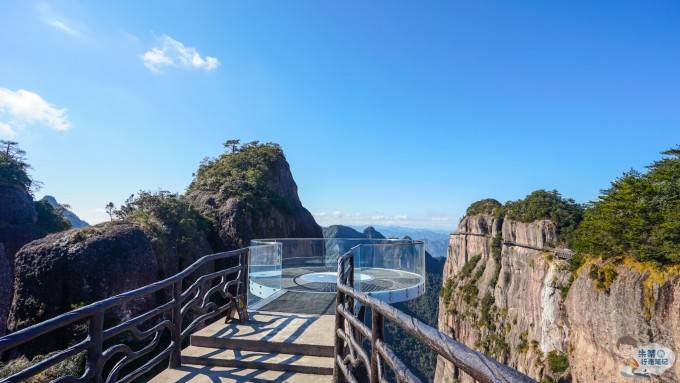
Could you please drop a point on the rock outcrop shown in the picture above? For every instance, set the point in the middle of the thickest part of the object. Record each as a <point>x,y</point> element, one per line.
<point>238,221</point>
<point>514,303</point>
<point>18,218</point>
<point>64,270</point>
<point>5,289</point>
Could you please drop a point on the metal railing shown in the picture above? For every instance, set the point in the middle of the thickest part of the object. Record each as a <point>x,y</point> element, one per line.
<point>351,333</point>
<point>208,296</point>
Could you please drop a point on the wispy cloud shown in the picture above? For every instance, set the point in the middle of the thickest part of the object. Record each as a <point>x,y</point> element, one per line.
<point>440,219</point>
<point>173,53</point>
<point>23,108</point>
<point>64,27</point>
<point>56,20</point>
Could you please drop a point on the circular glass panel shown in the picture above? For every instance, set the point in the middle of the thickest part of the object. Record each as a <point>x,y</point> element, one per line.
<point>329,277</point>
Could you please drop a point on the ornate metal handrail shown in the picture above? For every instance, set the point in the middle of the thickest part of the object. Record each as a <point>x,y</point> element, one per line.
<point>350,332</point>
<point>197,299</point>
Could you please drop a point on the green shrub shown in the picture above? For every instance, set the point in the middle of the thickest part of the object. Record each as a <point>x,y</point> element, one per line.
<point>557,361</point>
<point>639,215</point>
<point>447,291</point>
<point>564,290</point>
<point>470,265</point>
<point>496,249</point>
<point>495,345</point>
<point>603,277</point>
<point>523,345</point>
<point>470,292</point>
<point>479,272</point>
<point>170,221</point>
<point>50,220</point>
<point>486,311</point>
<point>72,366</point>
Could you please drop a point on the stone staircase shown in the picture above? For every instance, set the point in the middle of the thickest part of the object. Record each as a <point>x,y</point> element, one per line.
<point>269,347</point>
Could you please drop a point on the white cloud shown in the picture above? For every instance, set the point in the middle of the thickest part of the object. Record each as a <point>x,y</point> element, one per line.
<point>7,131</point>
<point>23,108</point>
<point>172,53</point>
<point>64,27</point>
<point>440,219</point>
<point>93,216</point>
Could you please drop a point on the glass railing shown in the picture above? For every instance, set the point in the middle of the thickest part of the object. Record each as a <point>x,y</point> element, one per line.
<point>392,272</point>
<point>264,271</point>
<point>389,269</point>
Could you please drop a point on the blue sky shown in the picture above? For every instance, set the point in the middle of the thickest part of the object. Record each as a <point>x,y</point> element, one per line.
<point>389,113</point>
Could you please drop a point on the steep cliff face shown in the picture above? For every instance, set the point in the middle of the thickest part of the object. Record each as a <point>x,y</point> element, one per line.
<point>505,297</point>
<point>639,307</point>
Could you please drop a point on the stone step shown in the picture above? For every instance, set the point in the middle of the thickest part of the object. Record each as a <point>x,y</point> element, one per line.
<point>302,334</point>
<point>257,360</point>
<point>208,374</point>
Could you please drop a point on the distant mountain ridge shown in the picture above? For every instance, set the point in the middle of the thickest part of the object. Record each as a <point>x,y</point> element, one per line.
<point>76,222</point>
<point>436,241</point>
<point>340,231</point>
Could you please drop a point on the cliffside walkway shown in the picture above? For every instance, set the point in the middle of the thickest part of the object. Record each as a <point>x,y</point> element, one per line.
<point>562,253</point>
<point>195,327</point>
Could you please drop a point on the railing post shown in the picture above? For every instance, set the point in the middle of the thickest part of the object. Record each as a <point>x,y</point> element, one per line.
<point>94,351</point>
<point>338,376</point>
<point>176,354</point>
<point>246,277</point>
<point>377,332</point>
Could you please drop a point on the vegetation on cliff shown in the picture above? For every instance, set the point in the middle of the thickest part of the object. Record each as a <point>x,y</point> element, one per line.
<point>638,216</point>
<point>158,210</point>
<point>484,206</point>
<point>243,171</point>
<point>50,219</point>
<point>14,174</point>
<point>565,213</point>
<point>13,167</point>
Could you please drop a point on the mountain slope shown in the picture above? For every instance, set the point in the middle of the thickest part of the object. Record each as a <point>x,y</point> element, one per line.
<point>70,216</point>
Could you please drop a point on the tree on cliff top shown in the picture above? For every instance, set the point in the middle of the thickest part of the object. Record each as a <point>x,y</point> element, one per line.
<point>484,206</point>
<point>13,167</point>
<point>565,213</point>
<point>639,215</point>
<point>244,173</point>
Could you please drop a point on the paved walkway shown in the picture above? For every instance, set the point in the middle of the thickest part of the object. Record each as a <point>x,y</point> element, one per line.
<point>269,347</point>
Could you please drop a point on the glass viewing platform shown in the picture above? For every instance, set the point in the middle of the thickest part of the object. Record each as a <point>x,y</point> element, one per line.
<point>300,275</point>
